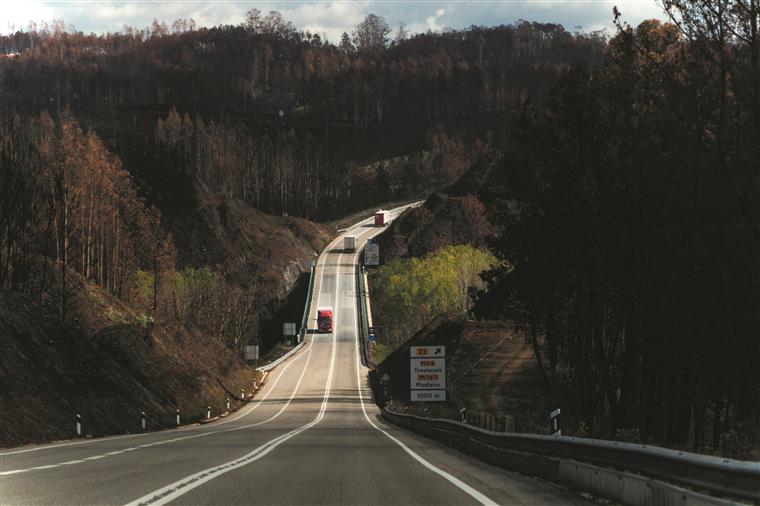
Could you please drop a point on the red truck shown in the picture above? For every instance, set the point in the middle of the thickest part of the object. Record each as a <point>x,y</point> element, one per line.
<point>325,320</point>
<point>381,218</point>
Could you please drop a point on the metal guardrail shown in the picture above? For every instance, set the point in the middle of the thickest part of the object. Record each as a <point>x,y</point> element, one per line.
<point>301,332</point>
<point>737,480</point>
<point>305,318</point>
<point>361,291</point>
<point>275,363</point>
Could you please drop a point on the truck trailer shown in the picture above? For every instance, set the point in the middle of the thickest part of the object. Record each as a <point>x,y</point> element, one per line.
<point>381,218</point>
<point>349,243</point>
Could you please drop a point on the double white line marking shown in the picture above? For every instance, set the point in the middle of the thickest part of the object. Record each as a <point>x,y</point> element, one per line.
<point>194,436</point>
<point>481,498</point>
<point>181,487</point>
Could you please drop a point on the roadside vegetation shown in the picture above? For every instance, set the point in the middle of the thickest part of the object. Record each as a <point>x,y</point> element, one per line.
<point>613,178</point>
<point>407,293</point>
<point>628,218</point>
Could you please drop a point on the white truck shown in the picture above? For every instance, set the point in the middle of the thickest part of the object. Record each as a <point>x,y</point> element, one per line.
<point>349,243</point>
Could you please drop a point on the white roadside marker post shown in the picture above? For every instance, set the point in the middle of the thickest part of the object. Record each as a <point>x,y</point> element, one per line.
<point>242,393</point>
<point>142,419</point>
<point>208,412</point>
<point>177,418</point>
<point>79,425</point>
<point>228,403</point>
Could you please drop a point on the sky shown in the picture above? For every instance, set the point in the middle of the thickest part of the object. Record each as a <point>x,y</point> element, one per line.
<point>329,18</point>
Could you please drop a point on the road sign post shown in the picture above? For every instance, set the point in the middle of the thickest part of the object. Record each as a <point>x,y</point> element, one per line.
<point>252,352</point>
<point>554,420</point>
<point>289,332</point>
<point>386,380</point>
<point>372,254</point>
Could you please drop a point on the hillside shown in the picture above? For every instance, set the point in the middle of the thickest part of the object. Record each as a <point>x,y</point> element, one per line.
<point>454,214</point>
<point>490,369</point>
<point>284,120</point>
<point>259,255</point>
<point>104,365</point>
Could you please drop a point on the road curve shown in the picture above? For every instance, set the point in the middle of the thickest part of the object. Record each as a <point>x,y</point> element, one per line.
<point>312,436</point>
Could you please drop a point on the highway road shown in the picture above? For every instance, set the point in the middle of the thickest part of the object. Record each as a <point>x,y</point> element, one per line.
<point>311,436</point>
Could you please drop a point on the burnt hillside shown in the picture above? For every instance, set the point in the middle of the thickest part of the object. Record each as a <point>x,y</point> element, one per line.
<point>105,365</point>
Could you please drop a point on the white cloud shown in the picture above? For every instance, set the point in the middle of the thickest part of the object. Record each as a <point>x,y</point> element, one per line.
<point>329,18</point>
<point>16,15</point>
<point>432,21</point>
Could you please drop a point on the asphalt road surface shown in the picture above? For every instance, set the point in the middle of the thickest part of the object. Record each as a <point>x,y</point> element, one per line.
<point>312,436</point>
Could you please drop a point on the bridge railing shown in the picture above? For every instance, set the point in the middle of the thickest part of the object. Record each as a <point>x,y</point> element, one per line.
<point>361,290</point>
<point>307,306</point>
<point>627,472</point>
<point>301,332</point>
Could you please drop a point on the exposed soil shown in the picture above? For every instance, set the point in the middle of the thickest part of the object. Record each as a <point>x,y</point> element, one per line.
<point>450,216</point>
<point>252,248</point>
<point>103,366</point>
<point>489,367</point>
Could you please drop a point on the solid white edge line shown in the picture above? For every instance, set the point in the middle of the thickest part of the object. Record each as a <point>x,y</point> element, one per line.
<point>116,438</point>
<point>194,436</point>
<point>251,409</point>
<point>478,496</point>
<point>181,487</point>
<point>129,436</point>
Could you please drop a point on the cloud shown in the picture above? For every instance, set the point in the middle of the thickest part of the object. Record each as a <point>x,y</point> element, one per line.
<point>329,18</point>
<point>16,15</point>
<point>432,21</point>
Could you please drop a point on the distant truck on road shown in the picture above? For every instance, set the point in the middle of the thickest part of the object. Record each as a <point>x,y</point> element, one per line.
<point>381,218</point>
<point>325,320</point>
<point>349,243</point>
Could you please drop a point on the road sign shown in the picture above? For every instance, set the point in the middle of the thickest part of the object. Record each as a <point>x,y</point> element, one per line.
<point>372,254</point>
<point>252,352</point>
<point>427,351</point>
<point>554,420</point>
<point>289,329</point>
<point>428,395</point>
<point>427,373</point>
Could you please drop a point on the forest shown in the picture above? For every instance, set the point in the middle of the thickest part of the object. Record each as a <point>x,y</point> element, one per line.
<point>619,174</point>
<point>111,143</point>
<point>628,205</point>
<point>412,291</point>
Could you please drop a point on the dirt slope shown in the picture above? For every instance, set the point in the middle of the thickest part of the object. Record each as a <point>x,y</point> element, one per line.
<point>104,366</point>
<point>252,248</point>
<point>489,367</point>
<point>453,215</point>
